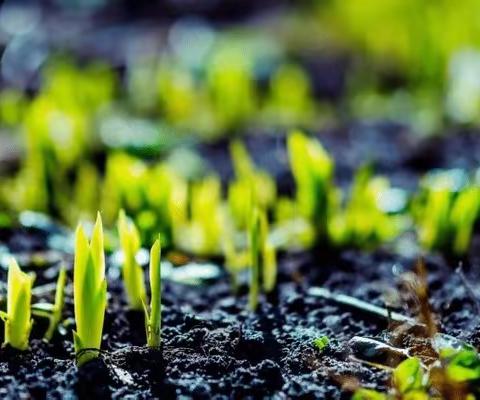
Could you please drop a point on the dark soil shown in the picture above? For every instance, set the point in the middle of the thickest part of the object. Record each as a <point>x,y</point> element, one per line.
<point>212,347</point>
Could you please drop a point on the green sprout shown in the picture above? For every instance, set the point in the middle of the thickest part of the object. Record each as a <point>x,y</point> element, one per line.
<point>251,186</point>
<point>409,382</point>
<point>86,201</point>
<point>132,272</point>
<point>290,101</point>
<point>240,195</point>
<point>461,365</point>
<point>263,270</point>
<point>53,312</point>
<point>89,292</point>
<point>18,321</point>
<point>231,86</point>
<point>154,197</point>
<point>312,169</point>
<point>446,210</point>
<point>177,95</point>
<point>202,233</point>
<point>269,258</point>
<point>408,376</point>
<point>254,244</point>
<point>321,342</point>
<point>363,222</point>
<point>153,318</point>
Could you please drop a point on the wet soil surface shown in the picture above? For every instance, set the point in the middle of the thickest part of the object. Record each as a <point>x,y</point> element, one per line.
<point>212,347</point>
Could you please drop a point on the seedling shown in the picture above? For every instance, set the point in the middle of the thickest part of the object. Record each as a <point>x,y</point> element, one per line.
<point>153,317</point>
<point>18,321</point>
<point>53,311</point>
<point>202,233</point>
<point>409,382</point>
<point>154,197</point>
<point>254,244</point>
<point>269,258</point>
<point>251,186</point>
<point>290,101</point>
<point>321,343</point>
<point>462,366</point>
<point>263,270</point>
<point>312,169</point>
<point>90,292</point>
<point>446,212</point>
<point>230,86</point>
<point>362,222</point>
<point>408,377</point>
<point>132,272</point>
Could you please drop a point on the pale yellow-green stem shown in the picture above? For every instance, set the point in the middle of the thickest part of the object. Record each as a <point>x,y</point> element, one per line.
<point>153,317</point>
<point>18,321</point>
<point>89,292</point>
<point>132,272</point>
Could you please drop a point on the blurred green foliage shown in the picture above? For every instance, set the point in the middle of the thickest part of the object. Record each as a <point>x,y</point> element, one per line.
<point>362,222</point>
<point>359,221</point>
<point>312,168</point>
<point>84,128</point>
<point>457,373</point>
<point>446,209</point>
<point>413,55</point>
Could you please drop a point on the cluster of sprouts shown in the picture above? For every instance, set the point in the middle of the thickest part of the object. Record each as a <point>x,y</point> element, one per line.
<point>446,209</point>
<point>89,293</point>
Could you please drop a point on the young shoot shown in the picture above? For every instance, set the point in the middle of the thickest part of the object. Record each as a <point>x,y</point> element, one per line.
<point>263,271</point>
<point>321,343</point>
<point>251,186</point>
<point>312,169</point>
<point>53,312</point>
<point>364,221</point>
<point>409,382</point>
<point>254,244</point>
<point>154,197</point>
<point>18,321</point>
<point>446,211</point>
<point>89,292</point>
<point>230,86</point>
<point>153,317</point>
<point>202,234</point>
<point>132,272</point>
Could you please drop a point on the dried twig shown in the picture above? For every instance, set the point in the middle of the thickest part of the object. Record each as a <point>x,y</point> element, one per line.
<point>421,290</point>
<point>361,305</point>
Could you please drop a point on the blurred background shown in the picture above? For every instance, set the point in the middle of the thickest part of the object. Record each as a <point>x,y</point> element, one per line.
<point>93,93</point>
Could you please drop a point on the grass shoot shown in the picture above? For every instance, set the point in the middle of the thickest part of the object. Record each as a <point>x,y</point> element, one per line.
<point>312,169</point>
<point>153,315</point>
<point>446,212</point>
<point>89,292</point>
<point>362,222</point>
<point>18,321</point>
<point>132,272</point>
<point>263,262</point>
<point>321,343</point>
